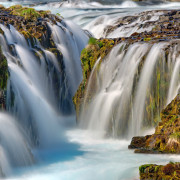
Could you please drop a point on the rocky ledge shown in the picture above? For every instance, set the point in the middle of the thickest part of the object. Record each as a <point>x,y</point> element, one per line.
<point>156,25</point>
<point>159,172</point>
<point>29,22</point>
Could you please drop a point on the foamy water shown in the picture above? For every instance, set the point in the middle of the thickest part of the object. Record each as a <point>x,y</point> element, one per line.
<point>99,160</point>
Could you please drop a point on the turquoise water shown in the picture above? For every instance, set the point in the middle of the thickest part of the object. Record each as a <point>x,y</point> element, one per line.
<point>95,158</point>
<point>88,156</point>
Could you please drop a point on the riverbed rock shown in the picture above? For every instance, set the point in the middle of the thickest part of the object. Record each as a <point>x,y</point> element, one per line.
<point>160,172</point>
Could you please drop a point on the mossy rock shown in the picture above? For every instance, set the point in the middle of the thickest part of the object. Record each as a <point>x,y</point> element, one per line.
<point>27,13</point>
<point>153,171</point>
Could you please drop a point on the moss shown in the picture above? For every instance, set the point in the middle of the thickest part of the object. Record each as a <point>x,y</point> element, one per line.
<point>147,39</point>
<point>27,13</point>
<point>166,138</point>
<point>153,171</point>
<point>92,41</point>
<point>1,31</point>
<point>143,167</point>
<point>175,136</point>
<point>4,71</point>
<point>95,49</point>
<point>26,34</point>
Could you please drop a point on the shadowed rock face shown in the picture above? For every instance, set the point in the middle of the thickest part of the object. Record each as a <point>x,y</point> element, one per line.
<point>153,171</point>
<point>166,138</point>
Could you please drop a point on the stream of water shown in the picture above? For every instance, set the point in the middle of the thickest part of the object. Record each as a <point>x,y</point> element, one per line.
<point>43,141</point>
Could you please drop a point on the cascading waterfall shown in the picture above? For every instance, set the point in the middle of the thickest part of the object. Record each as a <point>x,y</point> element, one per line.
<point>131,89</point>
<point>65,42</point>
<point>14,148</point>
<point>38,81</point>
<point>125,94</point>
<point>144,82</point>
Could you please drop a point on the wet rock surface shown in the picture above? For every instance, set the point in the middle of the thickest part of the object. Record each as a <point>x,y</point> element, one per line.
<point>95,49</point>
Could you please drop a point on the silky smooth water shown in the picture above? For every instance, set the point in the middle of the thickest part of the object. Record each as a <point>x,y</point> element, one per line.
<point>80,154</point>
<point>103,159</point>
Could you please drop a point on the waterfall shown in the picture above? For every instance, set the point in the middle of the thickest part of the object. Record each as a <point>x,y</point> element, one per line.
<point>39,92</point>
<point>131,88</point>
<point>144,82</point>
<point>14,147</point>
<point>71,47</point>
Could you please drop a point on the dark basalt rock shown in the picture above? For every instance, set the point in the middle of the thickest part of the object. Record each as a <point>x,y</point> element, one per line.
<point>138,142</point>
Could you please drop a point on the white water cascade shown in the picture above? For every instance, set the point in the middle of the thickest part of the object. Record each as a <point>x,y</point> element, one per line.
<point>33,95</point>
<point>130,88</point>
<point>136,77</point>
<point>14,147</point>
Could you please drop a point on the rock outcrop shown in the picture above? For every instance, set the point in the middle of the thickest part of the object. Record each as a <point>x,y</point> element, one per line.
<point>31,23</point>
